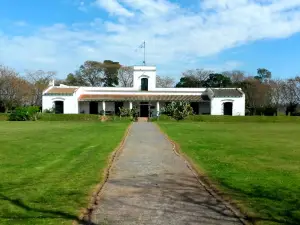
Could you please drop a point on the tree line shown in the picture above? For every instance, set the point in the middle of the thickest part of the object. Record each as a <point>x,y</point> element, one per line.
<point>264,95</point>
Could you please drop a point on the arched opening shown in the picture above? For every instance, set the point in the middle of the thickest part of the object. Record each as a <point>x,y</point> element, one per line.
<point>144,84</point>
<point>228,108</point>
<point>59,107</point>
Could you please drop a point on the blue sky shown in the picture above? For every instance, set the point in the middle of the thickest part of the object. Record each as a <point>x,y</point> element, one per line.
<point>59,35</point>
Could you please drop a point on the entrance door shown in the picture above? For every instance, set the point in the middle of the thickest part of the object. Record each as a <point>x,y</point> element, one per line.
<point>93,107</point>
<point>144,84</point>
<point>228,108</point>
<point>118,105</point>
<point>195,106</point>
<point>144,109</point>
<point>59,107</point>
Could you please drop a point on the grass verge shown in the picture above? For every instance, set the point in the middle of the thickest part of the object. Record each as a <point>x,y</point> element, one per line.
<point>256,164</point>
<point>235,119</point>
<point>49,169</point>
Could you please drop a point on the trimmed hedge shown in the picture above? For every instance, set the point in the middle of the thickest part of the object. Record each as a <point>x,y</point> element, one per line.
<point>70,117</point>
<point>4,116</point>
<point>79,117</point>
<point>242,119</point>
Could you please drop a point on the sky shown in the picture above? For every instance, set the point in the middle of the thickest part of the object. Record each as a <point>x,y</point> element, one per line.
<point>59,35</point>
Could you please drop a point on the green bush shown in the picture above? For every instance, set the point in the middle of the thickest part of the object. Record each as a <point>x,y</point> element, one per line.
<point>178,110</point>
<point>295,114</point>
<point>130,113</point>
<point>4,116</point>
<point>26,113</point>
<point>233,119</point>
<point>125,112</point>
<point>52,110</point>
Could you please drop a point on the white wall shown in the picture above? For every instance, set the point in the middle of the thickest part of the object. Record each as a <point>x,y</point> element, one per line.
<point>217,107</point>
<point>148,72</point>
<point>70,103</point>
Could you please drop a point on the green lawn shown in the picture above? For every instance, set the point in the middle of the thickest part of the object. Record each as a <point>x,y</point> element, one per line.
<point>257,164</point>
<point>49,169</point>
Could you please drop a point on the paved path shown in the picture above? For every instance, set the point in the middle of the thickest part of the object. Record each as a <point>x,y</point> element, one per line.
<point>150,184</point>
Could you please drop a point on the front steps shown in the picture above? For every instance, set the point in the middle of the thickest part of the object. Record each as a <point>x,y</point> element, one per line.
<point>142,119</point>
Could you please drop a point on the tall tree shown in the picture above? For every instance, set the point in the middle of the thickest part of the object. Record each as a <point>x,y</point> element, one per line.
<point>91,73</point>
<point>217,80</point>
<point>94,73</point>
<point>263,75</point>
<point>236,76</point>
<point>14,90</point>
<point>165,82</point>
<point>290,97</point>
<point>257,94</point>
<point>111,69</point>
<point>75,80</point>
<point>40,80</point>
<point>125,75</point>
<point>193,78</point>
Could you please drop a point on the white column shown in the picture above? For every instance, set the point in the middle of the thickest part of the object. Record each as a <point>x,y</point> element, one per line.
<point>157,109</point>
<point>130,105</point>
<point>103,107</point>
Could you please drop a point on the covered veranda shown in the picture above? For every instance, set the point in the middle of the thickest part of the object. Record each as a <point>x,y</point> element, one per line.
<point>146,105</point>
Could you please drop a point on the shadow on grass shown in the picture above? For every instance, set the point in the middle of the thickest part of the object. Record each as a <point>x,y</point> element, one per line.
<point>166,198</point>
<point>48,213</point>
<point>182,195</point>
<point>276,205</point>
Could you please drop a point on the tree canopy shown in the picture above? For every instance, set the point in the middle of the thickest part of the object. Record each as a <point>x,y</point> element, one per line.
<point>94,73</point>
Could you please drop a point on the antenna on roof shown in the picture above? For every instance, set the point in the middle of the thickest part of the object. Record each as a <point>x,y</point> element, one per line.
<point>143,45</point>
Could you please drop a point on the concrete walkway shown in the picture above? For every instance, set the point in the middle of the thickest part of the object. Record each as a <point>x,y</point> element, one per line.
<point>150,184</point>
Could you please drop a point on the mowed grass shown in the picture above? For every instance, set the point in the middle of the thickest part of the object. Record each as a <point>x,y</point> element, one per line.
<point>48,170</point>
<point>257,164</point>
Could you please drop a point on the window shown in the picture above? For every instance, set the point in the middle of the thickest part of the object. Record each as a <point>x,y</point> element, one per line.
<point>144,84</point>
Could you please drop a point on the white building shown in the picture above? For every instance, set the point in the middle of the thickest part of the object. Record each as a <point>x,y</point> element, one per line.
<point>144,95</point>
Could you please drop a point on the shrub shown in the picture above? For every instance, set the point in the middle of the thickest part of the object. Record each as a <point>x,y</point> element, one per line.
<point>3,116</point>
<point>178,110</point>
<point>25,114</point>
<point>295,114</point>
<point>125,112</point>
<point>52,110</point>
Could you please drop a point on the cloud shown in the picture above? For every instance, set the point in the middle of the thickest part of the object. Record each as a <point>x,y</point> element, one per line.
<point>114,7</point>
<point>176,36</point>
<point>20,23</point>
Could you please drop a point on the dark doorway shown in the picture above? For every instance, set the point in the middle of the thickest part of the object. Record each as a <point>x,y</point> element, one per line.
<point>195,106</point>
<point>93,107</point>
<point>228,108</point>
<point>59,107</point>
<point>118,105</point>
<point>144,84</point>
<point>144,109</point>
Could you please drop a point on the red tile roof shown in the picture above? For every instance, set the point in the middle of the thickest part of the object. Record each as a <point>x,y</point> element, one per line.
<point>122,97</point>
